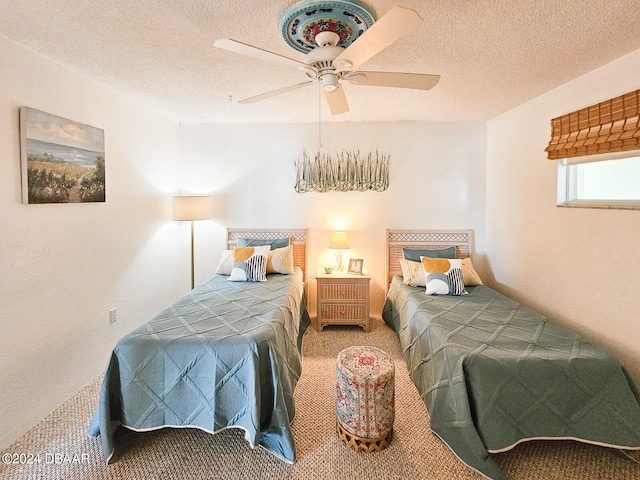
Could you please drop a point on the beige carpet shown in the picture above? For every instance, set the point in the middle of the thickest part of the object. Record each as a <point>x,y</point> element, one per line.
<point>414,453</point>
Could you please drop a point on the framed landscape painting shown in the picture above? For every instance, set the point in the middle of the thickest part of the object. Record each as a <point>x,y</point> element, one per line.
<point>62,160</point>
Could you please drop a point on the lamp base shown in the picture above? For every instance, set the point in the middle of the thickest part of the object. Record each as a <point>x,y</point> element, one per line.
<point>339,261</point>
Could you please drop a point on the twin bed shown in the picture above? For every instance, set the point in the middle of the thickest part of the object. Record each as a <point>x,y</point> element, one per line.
<point>491,372</point>
<point>494,373</point>
<point>225,355</point>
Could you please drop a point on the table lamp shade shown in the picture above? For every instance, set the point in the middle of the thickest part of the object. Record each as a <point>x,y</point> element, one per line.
<point>339,241</point>
<point>191,207</point>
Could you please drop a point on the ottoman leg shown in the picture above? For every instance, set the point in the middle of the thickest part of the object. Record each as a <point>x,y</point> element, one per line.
<point>360,444</point>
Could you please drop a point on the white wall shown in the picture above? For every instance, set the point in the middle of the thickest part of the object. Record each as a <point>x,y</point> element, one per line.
<point>437,180</point>
<point>63,267</point>
<point>580,266</point>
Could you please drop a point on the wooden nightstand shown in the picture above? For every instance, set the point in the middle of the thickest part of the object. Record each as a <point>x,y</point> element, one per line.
<point>342,299</point>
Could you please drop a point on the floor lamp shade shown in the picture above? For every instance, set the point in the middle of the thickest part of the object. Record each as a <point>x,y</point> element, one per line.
<point>190,208</point>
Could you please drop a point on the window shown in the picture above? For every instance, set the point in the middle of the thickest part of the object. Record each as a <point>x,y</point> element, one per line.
<point>600,181</point>
<point>598,154</point>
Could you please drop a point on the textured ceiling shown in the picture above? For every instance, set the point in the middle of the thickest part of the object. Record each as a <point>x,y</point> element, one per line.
<point>492,55</point>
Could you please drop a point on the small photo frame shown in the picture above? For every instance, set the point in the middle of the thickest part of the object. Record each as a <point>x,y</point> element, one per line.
<point>355,266</point>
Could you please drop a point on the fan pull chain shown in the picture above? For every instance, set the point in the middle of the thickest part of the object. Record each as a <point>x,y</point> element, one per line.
<point>319,116</point>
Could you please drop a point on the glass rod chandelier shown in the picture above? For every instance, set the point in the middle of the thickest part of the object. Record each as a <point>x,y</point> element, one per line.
<point>345,171</point>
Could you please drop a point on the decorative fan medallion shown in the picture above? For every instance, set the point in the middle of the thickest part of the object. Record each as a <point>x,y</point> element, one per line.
<point>300,23</point>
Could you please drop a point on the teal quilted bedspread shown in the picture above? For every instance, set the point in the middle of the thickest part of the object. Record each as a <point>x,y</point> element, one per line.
<point>493,373</point>
<point>225,355</point>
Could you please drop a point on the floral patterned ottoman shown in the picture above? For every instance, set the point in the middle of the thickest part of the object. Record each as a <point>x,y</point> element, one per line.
<point>365,393</point>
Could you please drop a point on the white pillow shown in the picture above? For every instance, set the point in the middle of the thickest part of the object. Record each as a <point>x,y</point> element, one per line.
<point>280,260</point>
<point>469,274</point>
<point>226,263</point>
<point>412,273</point>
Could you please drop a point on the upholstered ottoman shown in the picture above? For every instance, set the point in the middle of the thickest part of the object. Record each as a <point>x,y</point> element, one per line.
<point>365,394</point>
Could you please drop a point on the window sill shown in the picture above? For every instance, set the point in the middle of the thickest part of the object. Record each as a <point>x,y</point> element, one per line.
<point>603,205</point>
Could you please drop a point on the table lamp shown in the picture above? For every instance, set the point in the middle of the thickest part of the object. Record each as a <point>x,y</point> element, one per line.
<point>339,242</point>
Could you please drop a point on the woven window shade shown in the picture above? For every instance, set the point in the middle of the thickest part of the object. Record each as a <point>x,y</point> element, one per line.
<point>610,126</point>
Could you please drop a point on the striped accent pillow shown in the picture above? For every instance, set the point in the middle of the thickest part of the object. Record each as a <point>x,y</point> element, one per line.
<point>256,269</point>
<point>249,264</point>
<point>443,276</point>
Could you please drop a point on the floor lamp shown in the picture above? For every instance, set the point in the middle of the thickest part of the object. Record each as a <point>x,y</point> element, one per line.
<point>191,208</point>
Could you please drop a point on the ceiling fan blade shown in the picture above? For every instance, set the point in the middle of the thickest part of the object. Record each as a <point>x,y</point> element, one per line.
<point>337,101</point>
<point>396,23</point>
<point>279,91</point>
<point>255,52</point>
<point>418,81</point>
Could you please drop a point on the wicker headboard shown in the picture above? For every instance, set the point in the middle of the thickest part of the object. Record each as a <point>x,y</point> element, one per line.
<point>427,239</point>
<point>298,240</point>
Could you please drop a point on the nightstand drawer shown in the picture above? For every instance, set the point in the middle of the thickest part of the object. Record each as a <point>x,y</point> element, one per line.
<point>341,311</point>
<point>343,291</point>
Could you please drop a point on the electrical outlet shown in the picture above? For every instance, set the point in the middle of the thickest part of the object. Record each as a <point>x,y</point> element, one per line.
<point>113,315</point>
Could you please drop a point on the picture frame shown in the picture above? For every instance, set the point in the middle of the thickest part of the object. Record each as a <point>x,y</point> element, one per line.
<point>355,266</point>
<point>62,161</point>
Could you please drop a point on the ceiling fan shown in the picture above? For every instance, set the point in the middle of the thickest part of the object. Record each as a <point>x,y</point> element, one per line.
<point>338,37</point>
